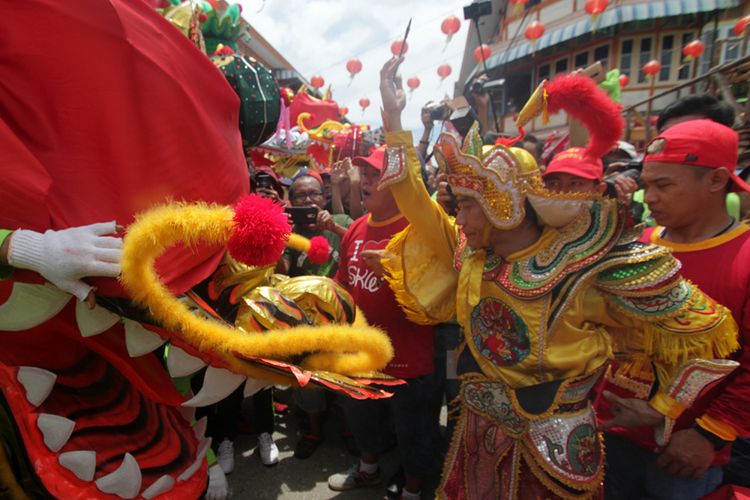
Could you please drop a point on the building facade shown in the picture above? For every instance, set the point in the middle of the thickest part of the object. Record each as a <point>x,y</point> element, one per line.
<point>628,34</point>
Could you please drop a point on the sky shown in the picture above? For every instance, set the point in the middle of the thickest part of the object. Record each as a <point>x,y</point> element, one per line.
<point>320,36</point>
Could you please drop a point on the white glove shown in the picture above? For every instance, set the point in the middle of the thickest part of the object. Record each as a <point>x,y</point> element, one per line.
<point>64,257</point>
<point>217,484</point>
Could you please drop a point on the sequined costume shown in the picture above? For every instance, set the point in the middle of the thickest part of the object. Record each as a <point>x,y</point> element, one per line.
<point>541,324</point>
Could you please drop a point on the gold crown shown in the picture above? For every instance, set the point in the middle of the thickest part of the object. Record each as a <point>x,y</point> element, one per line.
<point>498,177</point>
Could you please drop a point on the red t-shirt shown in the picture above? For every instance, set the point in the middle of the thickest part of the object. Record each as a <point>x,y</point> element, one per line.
<point>720,267</point>
<point>413,344</point>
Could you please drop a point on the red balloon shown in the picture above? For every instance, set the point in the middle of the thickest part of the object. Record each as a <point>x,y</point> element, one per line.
<point>534,31</point>
<point>444,70</point>
<point>396,47</point>
<point>483,52</point>
<point>741,25</point>
<point>450,25</point>
<point>354,66</point>
<point>317,81</point>
<point>364,102</point>
<point>596,7</point>
<point>652,67</point>
<point>694,49</point>
<point>413,82</point>
<point>624,80</point>
<point>343,111</point>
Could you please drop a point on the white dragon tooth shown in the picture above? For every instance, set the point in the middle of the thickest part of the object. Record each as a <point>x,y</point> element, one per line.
<point>181,364</point>
<point>161,485</point>
<point>218,383</point>
<point>254,385</point>
<point>37,382</point>
<point>125,481</point>
<point>200,454</point>
<point>31,305</point>
<point>94,321</point>
<point>200,428</point>
<point>187,413</point>
<point>80,463</point>
<point>140,340</point>
<point>55,429</point>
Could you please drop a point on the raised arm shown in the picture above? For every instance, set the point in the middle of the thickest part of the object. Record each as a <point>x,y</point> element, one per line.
<point>402,172</point>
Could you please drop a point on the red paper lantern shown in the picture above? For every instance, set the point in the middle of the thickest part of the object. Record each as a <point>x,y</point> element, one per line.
<point>533,33</point>
<point>396,47</point>
<point>741,25</point>
<point>482,53</point>
<point>353,66</point>
<point>624,80</point>
<point>444,71</point>
<point>413,83</point>
<point>652,67</point>
<point>693,50</point>
<point>317,81</point>
<point>343,111</point>
<point>364,103</point>
<point>450,27</point>
<point>595,7</point>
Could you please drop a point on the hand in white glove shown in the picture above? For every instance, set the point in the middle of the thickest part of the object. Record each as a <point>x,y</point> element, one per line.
<point>64,257</point>
<point>218,488</point>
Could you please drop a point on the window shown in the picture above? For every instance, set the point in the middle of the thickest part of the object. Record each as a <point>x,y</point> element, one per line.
<point>685,68</point>
<point>644,56</point>
<point>542,73</point>
<point>581,60</point>
<point>601,54</point>
<point>626,56</point>
<point>731,49</point>
<point>667,51</point>
<point>561,66</point>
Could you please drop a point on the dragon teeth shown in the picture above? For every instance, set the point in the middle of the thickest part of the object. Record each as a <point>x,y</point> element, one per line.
<point>124,482</point>
<point>55,429</point>
<point>37,382</point>
<point>218,383</point>
<point>181,364</point>
<point>80,463</point>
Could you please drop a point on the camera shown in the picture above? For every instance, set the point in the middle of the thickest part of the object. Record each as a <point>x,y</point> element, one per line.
<point>439,112</point>
<point>263,180</point>
<point>633,171</point>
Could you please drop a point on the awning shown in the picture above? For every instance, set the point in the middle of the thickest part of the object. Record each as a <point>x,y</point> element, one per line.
<point>611,17</point>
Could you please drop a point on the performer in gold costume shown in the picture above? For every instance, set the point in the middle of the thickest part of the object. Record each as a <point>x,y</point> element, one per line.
<point>547,287</point>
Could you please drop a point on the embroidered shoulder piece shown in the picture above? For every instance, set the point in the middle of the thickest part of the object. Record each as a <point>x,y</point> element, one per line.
<point>577,246</point>
<point>643,280</point>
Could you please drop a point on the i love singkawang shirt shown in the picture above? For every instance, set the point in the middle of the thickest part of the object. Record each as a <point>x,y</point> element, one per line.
<point>413,344</point>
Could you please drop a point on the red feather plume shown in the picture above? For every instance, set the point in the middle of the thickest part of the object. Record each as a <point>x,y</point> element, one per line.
<point>319,250</point>
<point>261,231</point>
<point>582,99</point>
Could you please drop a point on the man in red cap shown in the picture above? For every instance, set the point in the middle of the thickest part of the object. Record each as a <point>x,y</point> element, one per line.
<point>361,273</point>
<point>687,173</point>
<point>574,171</point>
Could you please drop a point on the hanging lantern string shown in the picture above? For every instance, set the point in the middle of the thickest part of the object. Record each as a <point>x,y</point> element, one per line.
<point>386,41</point>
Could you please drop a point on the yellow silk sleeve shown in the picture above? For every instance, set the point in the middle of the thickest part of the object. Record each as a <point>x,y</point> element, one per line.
<point>419,260</point>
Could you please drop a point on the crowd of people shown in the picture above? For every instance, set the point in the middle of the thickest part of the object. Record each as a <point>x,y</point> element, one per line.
<point>361,210</point>
<point>584,314</point>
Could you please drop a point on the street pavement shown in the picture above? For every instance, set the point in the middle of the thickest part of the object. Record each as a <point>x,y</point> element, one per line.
<point>295,479</point>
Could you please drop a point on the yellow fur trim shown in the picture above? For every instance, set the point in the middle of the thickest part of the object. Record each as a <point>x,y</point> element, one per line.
<point>299,243</point>
<point>346,349</point>
<point>394,266</point>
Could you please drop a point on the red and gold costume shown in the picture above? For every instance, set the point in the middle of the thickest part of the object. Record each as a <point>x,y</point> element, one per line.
<point>541,324</point>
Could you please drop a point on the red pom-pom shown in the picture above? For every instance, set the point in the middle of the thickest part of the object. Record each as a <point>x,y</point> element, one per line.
<point>260,233</point>
<point>319,251</point>
<point>202,17</point>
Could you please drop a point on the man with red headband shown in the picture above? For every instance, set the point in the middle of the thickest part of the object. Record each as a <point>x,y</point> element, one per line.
<point>687,173</point>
